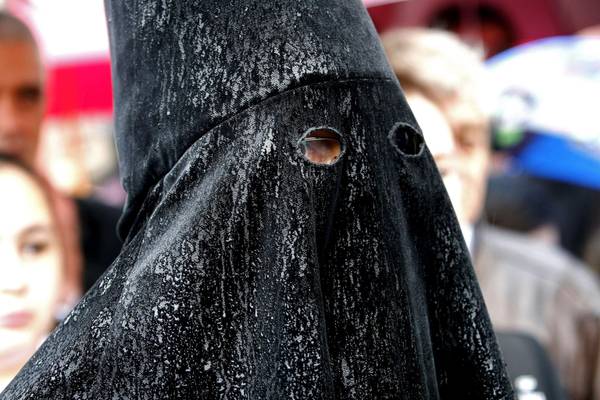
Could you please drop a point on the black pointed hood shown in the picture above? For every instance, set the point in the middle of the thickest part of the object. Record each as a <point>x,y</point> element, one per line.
<point>289,236</point>
<point>180,68</point>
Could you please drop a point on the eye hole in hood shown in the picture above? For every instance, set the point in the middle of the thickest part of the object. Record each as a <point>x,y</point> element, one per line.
<point>321,146</point>
<point>406,139</point>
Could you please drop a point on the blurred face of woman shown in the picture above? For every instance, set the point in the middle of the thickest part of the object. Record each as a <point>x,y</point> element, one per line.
<point>30,267</point>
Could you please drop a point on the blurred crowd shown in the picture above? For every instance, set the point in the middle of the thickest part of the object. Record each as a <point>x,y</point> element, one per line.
<point>515,139</point>
<point>527,258</point>
<point>53,246</point>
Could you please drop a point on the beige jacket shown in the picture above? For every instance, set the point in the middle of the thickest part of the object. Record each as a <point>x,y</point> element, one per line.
<point>536,288</point>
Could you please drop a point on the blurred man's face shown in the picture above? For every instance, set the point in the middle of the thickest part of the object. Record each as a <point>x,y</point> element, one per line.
<point>457,138</point>
<point>21,98</point>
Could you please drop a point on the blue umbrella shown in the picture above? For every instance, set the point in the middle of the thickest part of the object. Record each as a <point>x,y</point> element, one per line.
<point>547,96</point>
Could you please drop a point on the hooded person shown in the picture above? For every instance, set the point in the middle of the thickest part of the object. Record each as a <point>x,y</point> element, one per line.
<point>287,234</point>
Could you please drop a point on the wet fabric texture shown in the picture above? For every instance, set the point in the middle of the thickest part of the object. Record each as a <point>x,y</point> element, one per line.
<point>250,272</point>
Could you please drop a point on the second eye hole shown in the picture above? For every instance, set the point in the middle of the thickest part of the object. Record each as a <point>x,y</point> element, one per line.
<point>322,146</point>
<point>406,139</point>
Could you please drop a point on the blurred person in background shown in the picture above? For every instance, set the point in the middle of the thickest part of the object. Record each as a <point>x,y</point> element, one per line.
<point>529,285</point>
<point>547,138</point>
<point>562,213</point>
<point>36,285</point>
<point>21,90</point>
<point>520,203</point>
<point>22,101</point>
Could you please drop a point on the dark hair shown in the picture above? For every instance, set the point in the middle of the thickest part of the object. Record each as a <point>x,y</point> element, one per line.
<point>17,162</point>
<point>517,203</point>
<point>12,28</point>
<point>524,203</point>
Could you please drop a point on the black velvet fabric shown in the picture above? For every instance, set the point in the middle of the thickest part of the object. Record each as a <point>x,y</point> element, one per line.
<point>248,271</point>
<point>98,238</point>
